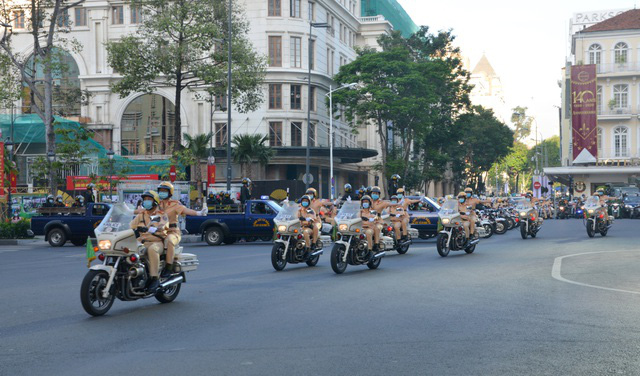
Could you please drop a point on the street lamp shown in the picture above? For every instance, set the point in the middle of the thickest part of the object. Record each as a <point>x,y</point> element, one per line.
<point>110,155</point>
<point>51,157</point>
<point>330,95</point>
<point>9,146</point>
<point>319,25</point>
<point>229,100</point>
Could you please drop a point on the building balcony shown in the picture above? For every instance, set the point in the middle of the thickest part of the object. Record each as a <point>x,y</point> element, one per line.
<point>619,157</point>
<point>628,67</point>
<point>616,113</point>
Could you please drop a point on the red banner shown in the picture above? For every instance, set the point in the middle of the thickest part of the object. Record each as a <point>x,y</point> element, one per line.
<point>1,167</point>
<point>211,174</point>
<point>79,183</point>
<point>172,173</point>
<point>584,113</point>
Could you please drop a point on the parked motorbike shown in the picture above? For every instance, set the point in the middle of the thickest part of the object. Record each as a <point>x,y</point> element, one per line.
<point>529,225</point>
<point>596,221</point>
<point>453,237</point>
<point>484,225</point>
<point>289,245</point>
<point>561,212</point>
<point>615,210</point>
<point>124,272</point>
<point>351,246</point>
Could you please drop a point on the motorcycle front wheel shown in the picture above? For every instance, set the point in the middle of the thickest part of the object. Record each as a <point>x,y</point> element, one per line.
<point>441,245</point>
<point>276,257</point>
<point>91,290</point>
<point>523,230</point>
<point>337,254</point>
<point>590,231</point>
<point>501,228</point>
<point>488,230</point>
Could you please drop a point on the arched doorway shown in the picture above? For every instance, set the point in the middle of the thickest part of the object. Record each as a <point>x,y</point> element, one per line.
<point>147,126</point>
<point>67,95</point>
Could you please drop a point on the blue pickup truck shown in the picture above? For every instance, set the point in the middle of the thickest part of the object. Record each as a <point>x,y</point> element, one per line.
<point>424,217</point>
<point>59,225</point>
<point>228,223</point>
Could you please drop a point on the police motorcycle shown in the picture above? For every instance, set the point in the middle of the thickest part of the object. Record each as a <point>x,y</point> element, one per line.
<point>529,225</point>
<point>453,237</point>
<point>350,247</point>
<point>289,245</point>
<point>484,225</point>
<point>595,220</point>
<point>401,246</point>
<point>124,271</point>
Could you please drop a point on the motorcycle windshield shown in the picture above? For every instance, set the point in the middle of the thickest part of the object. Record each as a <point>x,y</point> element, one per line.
<point>118,219</point>
<point>592,202</point>
<point>449,207</point>
<point>349,210</point>
<point>288,212</point>
<point>523,205</point>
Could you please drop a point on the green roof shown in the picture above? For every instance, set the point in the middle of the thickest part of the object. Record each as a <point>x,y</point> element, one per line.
<point>29,129</point>
<point>392,12</point>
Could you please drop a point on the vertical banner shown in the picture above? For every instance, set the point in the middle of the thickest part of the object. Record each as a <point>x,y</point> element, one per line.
<point>211,174</point>
<point>172,173</point>
<point>2,177</point>
<point>584,114</point>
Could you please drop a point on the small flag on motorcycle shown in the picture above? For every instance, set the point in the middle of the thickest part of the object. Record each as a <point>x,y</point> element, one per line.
<point>91,255</point>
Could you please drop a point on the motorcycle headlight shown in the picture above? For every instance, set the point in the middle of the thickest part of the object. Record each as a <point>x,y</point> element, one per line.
<point>282,228</point>
<point>343,227</point>
<point>591,211</point>
<point>523,214</point>
<point>446,221</point>
<point>104,245</point>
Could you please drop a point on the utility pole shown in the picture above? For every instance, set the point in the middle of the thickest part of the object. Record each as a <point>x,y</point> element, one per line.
<point>229,103</point>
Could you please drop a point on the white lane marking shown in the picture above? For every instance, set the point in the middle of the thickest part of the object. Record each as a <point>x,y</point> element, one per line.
<point>557,268</point>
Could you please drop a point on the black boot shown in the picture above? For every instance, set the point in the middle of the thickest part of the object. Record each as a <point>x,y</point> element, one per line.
<point>307,254</point>
<point>153,285</point>
<point>167,271</point>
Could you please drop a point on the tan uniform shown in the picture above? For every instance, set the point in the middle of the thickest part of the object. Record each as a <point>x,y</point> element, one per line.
<point>173,209</point>
<point>472,217</point>
<point>154,242</point>
<point>405,220</point>
<point>308,227</point>
<point>316,205</point>
<point>397,217</point>
<point>466,219</point>
<point>371,228</point>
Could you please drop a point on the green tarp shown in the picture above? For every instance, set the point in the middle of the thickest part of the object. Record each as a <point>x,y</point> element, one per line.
<point>392,12</point>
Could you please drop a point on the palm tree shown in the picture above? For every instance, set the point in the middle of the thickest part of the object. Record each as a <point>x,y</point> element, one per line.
<point>198,146</point>
<point>250,148</point>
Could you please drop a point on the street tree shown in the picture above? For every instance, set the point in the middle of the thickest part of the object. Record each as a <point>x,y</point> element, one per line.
<point>249,149</point>
<point>521,123</point>
<point>182,44</point>
<point>198,146</point>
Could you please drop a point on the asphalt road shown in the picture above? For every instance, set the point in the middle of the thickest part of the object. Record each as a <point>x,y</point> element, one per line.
<point>514,307</point>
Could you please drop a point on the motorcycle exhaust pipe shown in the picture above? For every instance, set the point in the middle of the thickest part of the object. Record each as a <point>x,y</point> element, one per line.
<point>171,282</point>
<point>316,253</point>
<point>475,241</point>
<point>134,272</point>
<point>381,254</point>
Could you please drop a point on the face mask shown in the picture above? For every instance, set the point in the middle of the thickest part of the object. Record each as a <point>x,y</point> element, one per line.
<point>81,199</point>
<point>461,200</point>
<point>365,205</point>
<point>528,199</point>
<point>375,197</point>
<point>468,195</point>
<point>400,195</point>
<point>163,195</point>
<point>394,202</point>
<point>147,204</point>
<point>305,204</point>
<point>59,200</point>
<point>50,200</point>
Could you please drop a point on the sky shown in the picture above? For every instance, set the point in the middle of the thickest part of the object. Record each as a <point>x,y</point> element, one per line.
<point>526,42</point>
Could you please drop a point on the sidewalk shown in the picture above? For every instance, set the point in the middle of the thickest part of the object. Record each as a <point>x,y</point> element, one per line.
<point>37,239</point>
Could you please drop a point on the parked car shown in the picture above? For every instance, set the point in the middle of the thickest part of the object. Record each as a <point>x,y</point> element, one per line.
<point>228,223</point>
<point>59,225</point>
<point>424,216</point>
<point>631,206</point>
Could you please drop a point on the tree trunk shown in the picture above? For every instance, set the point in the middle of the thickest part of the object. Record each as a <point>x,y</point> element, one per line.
<point>384,143</point>
<point>177,130</point>
<point>48,118</point>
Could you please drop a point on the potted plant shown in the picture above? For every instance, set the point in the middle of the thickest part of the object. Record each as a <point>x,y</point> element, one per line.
<point>612,104</point>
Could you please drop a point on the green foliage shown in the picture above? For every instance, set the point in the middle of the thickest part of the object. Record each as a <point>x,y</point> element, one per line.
<point>181,44</point>
<point>198,147</point>
<point>18,230</point>
<point>521,123</point>
<point>251,148</point>
<point>10,88</point>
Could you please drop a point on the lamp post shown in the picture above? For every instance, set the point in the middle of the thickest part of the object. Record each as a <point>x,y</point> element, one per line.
<point>9,146</point>
<point>320,25</point>
<point>229,102</point>
<point>110,155</point>
<point>51,157</point>
<point>330,95</point>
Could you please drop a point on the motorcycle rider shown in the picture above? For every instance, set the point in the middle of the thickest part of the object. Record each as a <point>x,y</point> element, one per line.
<point>348,193</point>
<point>603,203</point>
<point>316,205</point>
<point>405,202</point>
<point>245,191</point>
<point>173,209</point>
<point>378,205</point>
<point>395,185</point>
<point>473,202</point>
<point>465,213</point>
<point>397,214</point>
<point>308,220</point>
<point>152,234</point>
<point>370,219</point>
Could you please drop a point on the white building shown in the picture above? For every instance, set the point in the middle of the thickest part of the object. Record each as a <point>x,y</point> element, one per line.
<point>487,89</point>
<point>140,126</point>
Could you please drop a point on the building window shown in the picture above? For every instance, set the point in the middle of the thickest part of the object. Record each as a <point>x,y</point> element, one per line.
<point>312,95</point>
<point>296,52</point>
<point>274,8</point>
<point>330,62</point>
<point>275,96</point>
<point>275,51</point>
<point>296,97</point>
<point>620,53</point>
<point>295,8</point>
<point>221,103</point>
<point>621,95</point>
<point>63,19</point>
<point>312,11</point>
<point>80,16</point>
<point>275,133</point>
<point>18,21</point>
<point>147,126</point>
<point>599,99</point>
<point>296,133</point>
<point>221,134</point>
<point>600,142</point>
<point>595,54</point>
<point>136,15</point>
<point>620,143</point>
<point>117,15</point>
<point>312,54</point>
<point>312,134</point>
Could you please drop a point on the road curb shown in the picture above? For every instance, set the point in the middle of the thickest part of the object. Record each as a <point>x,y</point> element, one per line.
<point>19,241</point>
